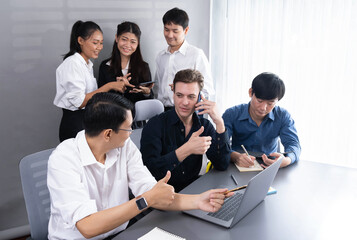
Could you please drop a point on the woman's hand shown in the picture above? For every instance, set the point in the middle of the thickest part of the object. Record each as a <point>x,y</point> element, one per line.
<point>121,83</point>
<point>141,89</point>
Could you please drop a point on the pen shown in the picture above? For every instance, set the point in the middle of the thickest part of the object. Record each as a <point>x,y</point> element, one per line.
<point>245,150</point>
<point>236,189</point>
<point>234,180</point>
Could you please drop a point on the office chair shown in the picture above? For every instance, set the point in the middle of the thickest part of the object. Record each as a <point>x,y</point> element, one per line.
<point>33,172</point>
<point>136,136</point>
<point>144,110</point>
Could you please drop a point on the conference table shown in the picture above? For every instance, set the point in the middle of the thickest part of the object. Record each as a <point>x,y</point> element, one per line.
<point>313,201</point>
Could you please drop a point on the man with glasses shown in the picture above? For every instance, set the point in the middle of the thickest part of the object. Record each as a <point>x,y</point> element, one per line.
<point>259,124</point>
<point>89,177</point>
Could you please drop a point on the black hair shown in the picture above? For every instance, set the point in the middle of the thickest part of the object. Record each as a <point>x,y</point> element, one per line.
<point>268,86</point>
<point>137,64</point>
<point>105,111</point>
<point>189,76</point>
<point>176,16</point>
<point>83,30</point>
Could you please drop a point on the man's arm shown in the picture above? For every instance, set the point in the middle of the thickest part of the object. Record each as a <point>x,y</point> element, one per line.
<point>161,196</point>
<point>240,159</point>
<point>219,151</point>
<point>152,148</point>
<point>290,141</point>
<point>195,145</point>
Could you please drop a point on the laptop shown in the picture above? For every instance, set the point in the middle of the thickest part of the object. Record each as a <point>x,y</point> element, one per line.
<point>242,202</point>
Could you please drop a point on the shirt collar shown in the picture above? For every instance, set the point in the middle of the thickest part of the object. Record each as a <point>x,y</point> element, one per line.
<point>174,118</point>
<point>89,65</point>
<point>87,157</point>
<point>182,49</point>
<point>126,68</point>
<point>271,114</point>
<point>245,115</point>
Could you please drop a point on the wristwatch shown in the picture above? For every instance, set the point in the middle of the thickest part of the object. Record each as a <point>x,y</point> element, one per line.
<point>141,202</point>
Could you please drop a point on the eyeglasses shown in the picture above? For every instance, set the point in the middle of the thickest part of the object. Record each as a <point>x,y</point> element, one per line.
<point>128,130</point>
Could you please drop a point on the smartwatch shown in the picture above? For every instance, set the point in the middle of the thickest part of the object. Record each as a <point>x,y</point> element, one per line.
<point>141,203</point>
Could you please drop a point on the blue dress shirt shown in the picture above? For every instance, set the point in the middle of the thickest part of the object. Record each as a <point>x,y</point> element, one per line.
<point>278,123</point>
<point>165,133</point>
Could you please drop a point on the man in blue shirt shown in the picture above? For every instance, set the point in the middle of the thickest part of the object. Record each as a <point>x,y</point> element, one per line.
<point>259,124</point>
<point>176,139</point>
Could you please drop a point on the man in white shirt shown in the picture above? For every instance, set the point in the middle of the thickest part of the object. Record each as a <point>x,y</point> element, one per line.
<point>89,176</point>
<point>179,55</point>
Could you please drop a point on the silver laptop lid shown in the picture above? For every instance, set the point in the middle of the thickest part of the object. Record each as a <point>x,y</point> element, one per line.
<point>256,190</point>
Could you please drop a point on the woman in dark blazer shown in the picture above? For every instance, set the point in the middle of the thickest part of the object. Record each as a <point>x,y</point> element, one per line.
<point>126,63</point>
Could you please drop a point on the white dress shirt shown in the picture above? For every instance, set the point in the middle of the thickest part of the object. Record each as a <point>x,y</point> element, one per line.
<point>79,185</point>
<point>74,79</point>
<point>168,64</point>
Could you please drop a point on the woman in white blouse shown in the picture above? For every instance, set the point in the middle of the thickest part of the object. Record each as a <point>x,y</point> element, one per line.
<point>75,82</point>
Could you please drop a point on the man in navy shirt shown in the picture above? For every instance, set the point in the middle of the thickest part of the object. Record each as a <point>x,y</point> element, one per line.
<point>176,139</point>
<point>259,124</point>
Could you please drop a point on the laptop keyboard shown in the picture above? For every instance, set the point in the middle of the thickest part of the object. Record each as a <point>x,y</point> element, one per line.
<point>229,207</point>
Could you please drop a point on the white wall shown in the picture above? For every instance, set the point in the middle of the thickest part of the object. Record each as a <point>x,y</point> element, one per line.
<point>34,35</point>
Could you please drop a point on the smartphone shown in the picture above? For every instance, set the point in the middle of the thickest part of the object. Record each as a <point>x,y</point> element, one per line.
<point>199,99</point>
<point>140,84</point>
<point>145,83</point>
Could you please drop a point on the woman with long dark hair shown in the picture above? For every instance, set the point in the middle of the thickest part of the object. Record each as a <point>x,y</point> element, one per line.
<point>75,82</point>
<point>126,63</point>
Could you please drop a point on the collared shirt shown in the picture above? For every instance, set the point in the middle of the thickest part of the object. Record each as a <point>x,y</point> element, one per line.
<point>278,123</point>
<point>124,70</point>
<point>168,64</point>
<point>74,79</point>
<point>79,185</point>
<point>164,133</point>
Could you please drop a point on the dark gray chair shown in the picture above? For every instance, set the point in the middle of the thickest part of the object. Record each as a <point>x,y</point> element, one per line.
<point>33,172</point>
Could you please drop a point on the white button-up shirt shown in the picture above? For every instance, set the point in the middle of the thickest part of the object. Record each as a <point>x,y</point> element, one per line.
<point>168,64</point>
<point>79,185</point>
<point>74,79</point>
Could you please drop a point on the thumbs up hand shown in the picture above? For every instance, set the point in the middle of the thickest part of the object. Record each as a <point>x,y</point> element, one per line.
<point>162,194</point>
<point>199,145</point>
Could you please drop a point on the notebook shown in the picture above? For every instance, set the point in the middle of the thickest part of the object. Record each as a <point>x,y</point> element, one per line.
<point>158,233</point>
<point>256,167</point>
<point>238,206</point>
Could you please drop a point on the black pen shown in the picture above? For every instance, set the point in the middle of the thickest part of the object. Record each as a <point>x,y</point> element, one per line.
<point>234,180</point>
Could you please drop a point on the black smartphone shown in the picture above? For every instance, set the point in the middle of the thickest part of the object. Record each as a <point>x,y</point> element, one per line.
<point>145,83</point>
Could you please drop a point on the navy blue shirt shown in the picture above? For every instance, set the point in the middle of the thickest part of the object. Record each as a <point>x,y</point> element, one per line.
<point>165,133</point>
<point>278,123</point>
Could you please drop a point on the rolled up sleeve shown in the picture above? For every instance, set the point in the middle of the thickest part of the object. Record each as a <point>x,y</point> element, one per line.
<point>69,198</point>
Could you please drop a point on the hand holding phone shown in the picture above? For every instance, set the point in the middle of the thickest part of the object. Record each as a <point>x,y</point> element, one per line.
<point>199,99</point>
<point>145,83</point>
